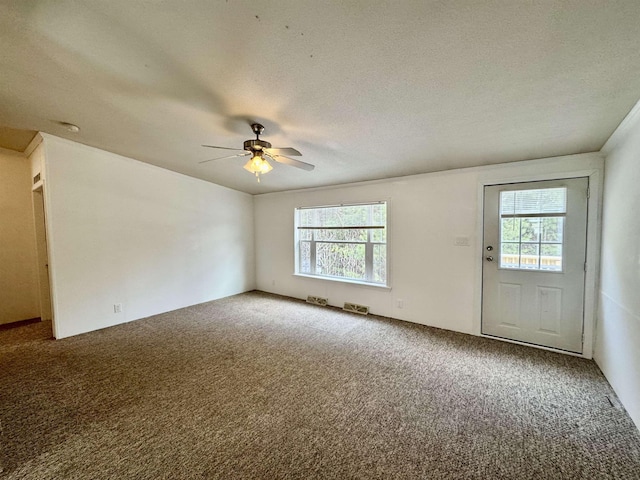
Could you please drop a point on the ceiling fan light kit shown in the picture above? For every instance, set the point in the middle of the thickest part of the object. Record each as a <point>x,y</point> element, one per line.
<point>259,149</point>
<point>258,165</point>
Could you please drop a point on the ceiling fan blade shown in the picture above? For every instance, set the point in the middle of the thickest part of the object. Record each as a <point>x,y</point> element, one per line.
<point>223,148</point>
<point>292,162</point>
<point>283,151</point>
<point>228,156</point>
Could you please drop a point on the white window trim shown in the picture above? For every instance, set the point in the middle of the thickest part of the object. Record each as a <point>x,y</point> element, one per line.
<point>344,280</point>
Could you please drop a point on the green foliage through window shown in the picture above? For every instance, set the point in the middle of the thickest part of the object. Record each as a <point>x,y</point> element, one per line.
<point>532,228</point>
<point>346,241</point>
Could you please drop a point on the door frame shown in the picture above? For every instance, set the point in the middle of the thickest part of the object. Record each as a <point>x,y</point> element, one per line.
<point>594,206</point>
<point>35,152</point>
<point>40,221</point>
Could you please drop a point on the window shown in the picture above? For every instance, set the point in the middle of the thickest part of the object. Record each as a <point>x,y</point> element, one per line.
<point>532,228</point>
<point>347,242</point>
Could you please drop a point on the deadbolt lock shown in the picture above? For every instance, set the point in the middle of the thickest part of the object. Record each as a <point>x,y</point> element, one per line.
<point>489,248</point>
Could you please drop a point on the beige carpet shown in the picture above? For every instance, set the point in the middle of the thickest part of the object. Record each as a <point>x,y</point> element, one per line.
<point>258,386</point>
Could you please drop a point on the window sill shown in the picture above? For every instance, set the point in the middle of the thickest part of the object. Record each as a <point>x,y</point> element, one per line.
<point>342,280</point>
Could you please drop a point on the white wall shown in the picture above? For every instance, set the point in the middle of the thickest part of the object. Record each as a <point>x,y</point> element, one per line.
<point>618,332</point>
<point>438,282</point>
<point>122,231</point>
<point>18,276</point>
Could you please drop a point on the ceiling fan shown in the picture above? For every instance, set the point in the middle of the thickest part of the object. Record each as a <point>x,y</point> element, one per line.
<point>259,149</point>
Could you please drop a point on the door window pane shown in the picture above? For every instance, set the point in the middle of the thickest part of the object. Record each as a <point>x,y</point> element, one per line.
<point>551,257</point>
<point>529,255</point>
<point>543,200</point>
<point>510,255</point>
<point>552,229</point>
<point>510,230</point>
<point>529,229</point>
<point>532,228</point>
<point>553,250</point>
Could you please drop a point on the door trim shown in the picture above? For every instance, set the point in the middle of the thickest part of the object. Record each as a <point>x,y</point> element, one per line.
<point>594,205</point>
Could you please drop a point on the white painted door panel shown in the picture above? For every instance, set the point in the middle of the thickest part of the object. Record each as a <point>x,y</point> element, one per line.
<point>534,262</point>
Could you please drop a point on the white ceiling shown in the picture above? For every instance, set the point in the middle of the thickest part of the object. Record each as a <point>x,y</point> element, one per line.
<point>365,89</point>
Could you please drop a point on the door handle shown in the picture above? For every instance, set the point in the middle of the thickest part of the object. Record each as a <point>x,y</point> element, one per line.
<point>489,258</point>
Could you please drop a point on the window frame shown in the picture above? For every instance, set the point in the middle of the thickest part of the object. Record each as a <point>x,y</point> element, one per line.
<point>369,245</point>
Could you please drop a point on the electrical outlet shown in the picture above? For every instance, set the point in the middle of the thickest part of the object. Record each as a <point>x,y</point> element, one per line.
<point>117,308</point>
<point>400,303</point>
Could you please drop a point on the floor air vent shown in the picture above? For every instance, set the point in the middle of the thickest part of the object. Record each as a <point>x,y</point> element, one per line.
<point>323,302</point>
<point>355,308</point>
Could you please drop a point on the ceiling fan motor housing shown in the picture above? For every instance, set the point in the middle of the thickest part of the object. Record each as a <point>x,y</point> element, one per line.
<point>256,145</point>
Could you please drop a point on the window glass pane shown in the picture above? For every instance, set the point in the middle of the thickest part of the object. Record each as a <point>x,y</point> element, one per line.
<point>551,249</point>
<point>345,216</point>
<point>511,248</point>
<point>529,255</point>
<point>380,264</point>
<point>379,214</point>
<point>551,257</point>
<point>305,234</point>
<point>305,217</point>
<point>350,235</point>
<point>344,260</point>
<point>529,229</point>
<point>552,229</point>
<point>531,241</point>
<point>544,200</point>
<point>305,257</point>
<point>510,229</point>
<point>510,255</point>
<point>507,202</point>
<point>379,235</point>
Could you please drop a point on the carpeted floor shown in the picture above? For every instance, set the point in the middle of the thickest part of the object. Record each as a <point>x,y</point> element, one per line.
<point>258,386</point>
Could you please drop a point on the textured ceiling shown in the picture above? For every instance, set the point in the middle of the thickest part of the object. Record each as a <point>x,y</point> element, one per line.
<point>364,89</point>
<point>15,139</point>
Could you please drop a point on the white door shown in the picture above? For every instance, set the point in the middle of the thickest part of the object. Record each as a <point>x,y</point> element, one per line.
<point>534,262</point>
